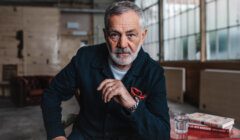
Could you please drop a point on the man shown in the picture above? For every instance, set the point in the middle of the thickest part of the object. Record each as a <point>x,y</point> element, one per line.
<point>123,95</point>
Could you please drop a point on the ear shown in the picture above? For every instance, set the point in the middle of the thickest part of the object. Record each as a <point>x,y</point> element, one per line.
<point>144,34</point>
<point>105,33</point>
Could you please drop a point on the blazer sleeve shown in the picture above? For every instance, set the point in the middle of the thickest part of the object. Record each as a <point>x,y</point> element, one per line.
<point>151,118</point>
<point>61,88</point>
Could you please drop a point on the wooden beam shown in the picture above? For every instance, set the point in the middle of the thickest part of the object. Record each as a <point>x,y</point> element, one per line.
<point>203,30</point>
<point>161,30</point>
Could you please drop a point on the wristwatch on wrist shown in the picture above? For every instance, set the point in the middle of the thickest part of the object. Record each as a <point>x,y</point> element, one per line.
<point>134,107</point>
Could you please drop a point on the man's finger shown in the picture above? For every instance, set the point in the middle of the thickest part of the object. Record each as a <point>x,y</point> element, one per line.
<point>103,83</point>
<point>107,91</point>
<point>107,85</point>
<point>112,94</point>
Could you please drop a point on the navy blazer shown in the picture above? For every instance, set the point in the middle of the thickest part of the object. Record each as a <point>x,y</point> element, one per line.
<point>99,120</point>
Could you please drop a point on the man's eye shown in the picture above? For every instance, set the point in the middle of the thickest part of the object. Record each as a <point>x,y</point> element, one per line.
<point>114,35</point>
<point>131,35</point>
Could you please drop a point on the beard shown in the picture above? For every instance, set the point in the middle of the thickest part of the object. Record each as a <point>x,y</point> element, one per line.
<point>125,59</point>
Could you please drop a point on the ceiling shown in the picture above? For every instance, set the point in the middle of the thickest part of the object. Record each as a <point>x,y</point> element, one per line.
<point>71,5</point>
<point>44,2</point>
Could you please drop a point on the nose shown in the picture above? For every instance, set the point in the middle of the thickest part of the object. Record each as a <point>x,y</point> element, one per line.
<point>123,42</point>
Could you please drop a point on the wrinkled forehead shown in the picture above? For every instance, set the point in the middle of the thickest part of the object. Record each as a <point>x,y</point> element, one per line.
<point>125,21</point>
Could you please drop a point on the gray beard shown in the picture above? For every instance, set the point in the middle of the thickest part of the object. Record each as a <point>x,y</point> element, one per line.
<point>123,61</point>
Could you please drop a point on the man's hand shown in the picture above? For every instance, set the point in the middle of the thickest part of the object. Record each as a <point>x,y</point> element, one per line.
<point>115,89</point>
<point>60,138</point>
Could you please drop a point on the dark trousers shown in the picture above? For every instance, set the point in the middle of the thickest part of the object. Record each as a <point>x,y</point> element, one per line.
<point>75,135</point>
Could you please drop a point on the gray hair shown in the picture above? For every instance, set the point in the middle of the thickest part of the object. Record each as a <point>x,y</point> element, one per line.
<point>121,7</point>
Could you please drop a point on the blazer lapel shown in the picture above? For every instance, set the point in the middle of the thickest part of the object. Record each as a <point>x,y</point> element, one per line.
<point>101,63</point>
<point>135,70</point>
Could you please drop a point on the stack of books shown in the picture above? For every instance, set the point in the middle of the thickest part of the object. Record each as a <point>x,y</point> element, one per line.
<point>209,122</point>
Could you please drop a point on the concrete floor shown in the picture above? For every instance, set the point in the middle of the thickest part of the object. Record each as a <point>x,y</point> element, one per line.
<point>26,123</point>
<point>21,123</point>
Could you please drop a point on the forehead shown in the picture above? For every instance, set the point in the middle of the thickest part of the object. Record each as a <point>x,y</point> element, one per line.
<point>126,21</point>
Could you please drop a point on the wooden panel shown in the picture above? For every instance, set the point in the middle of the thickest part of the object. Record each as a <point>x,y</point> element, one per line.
<point>175,82</point>
<point>10,11</point>
<point>40,27</point>
<point>40,48</point>
<point>40,11</point>
<point>9,38</point>
<point>10,18</point>
<point>10,23</point>
<point>9,60</point>
<point>49,21</point>
<point>5,31</point>
<point>9,44</point>
<point>192,79</point>
<point>65,52</point>
<point>20,71</point>
<point>1,73</point>
<point>38,69</point>
<point>219,92</point>
<point>84,21</point>
<point>193,69</point>
<point>11,52</point>
<point>41,41</point>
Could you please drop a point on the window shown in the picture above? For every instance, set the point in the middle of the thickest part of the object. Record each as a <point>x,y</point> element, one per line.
<point>181,30</point>
<point>150,9</point>
<point>223,26</point>
<point>181,25</point>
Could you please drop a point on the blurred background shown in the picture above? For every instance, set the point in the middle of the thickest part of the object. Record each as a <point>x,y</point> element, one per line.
<point>196,41</point>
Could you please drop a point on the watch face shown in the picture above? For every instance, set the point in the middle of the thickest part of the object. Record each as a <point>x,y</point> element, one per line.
<point>137,99</point>
<point>134,107</point>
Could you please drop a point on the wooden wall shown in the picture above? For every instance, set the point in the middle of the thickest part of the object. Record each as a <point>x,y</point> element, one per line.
<point>36,28</point>
<point>9,25</point>
<point>48,45</point>
<point>219,92</point>
<point>193,69</point>
<point>70,43</point>
<point>40,27</point>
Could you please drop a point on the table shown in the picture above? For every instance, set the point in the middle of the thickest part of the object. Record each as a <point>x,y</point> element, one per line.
<point>197,134</point>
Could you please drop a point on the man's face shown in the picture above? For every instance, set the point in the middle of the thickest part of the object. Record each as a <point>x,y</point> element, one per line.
<point>124,37</point>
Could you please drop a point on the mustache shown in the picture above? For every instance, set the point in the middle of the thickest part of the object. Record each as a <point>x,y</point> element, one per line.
<point>122,50</point>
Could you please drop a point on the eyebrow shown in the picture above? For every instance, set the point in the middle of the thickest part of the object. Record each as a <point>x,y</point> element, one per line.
<point>112,30</point>
<point>129,31</point>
